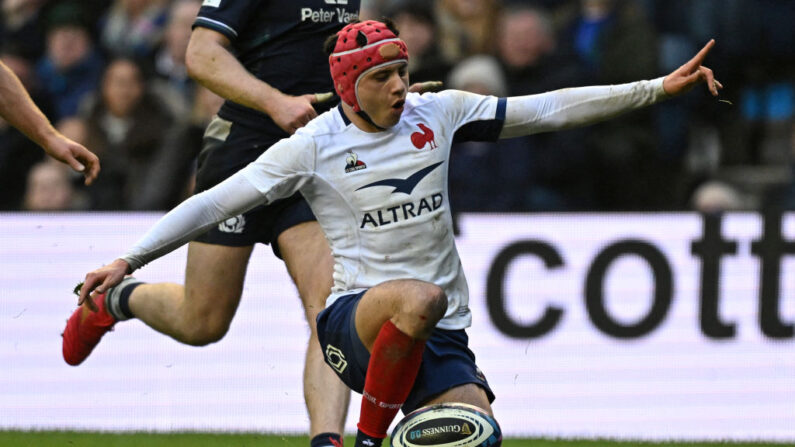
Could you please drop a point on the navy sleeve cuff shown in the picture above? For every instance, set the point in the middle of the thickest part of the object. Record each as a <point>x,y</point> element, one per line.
<point>215,25</point>
<point>485,130</point>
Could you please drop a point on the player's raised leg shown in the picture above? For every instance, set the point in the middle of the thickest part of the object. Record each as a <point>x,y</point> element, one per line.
<point>200,312</point>
<point>197,314</point>
<point>308,259</point>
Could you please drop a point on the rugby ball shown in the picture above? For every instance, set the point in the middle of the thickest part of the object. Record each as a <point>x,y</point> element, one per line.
<point>447,425</point>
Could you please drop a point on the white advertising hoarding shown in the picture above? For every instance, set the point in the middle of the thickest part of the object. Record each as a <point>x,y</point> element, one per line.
<point>648,326</point>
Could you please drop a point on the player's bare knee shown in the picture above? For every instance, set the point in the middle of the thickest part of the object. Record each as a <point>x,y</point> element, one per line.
<point>437,303</point>
<point>205,331</point>
<point>426,307</point>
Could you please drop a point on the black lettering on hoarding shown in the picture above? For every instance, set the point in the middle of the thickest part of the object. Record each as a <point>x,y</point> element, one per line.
<point>711,249</point>
<point>594,290</point>
<point>495,291</point>
<point>770,249</point>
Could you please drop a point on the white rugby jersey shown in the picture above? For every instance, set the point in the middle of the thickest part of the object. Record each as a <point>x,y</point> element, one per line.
<point>381,198</point>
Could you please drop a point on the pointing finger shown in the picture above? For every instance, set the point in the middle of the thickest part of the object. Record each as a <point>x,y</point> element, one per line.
<point>699,58</point>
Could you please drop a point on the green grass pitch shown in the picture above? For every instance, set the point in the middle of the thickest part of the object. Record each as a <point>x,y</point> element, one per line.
<point>91,439</point>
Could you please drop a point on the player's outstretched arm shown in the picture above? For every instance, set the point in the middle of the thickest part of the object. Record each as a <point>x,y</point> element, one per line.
<point>210,62</point>
<point>191,218</point>
<point>20,111</point>
<point>576,107</point>
<point>691,74</point>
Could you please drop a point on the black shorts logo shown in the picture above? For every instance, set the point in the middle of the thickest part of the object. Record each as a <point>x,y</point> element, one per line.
<point>233,225</point>
<point>336,359</point>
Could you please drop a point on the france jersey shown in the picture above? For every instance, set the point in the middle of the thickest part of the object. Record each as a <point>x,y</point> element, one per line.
<point>381,197</point>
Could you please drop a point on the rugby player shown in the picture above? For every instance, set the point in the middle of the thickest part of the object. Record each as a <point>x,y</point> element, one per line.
<point>374,172</point>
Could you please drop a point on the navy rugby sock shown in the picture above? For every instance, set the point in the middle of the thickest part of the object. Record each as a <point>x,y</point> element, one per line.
<point>365,440</point>
<point>327,440</point>
<point>118,301</point>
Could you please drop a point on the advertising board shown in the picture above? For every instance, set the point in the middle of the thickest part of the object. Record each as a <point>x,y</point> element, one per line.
<point>646,326</point>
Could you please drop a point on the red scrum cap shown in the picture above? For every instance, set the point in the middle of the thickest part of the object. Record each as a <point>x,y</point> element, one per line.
<point>362,47</point>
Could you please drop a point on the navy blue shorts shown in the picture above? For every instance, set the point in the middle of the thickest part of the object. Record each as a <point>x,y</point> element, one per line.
<point>228,148</point>
<point>447,361</point>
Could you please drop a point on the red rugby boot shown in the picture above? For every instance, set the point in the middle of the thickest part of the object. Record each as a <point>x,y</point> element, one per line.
<point>84,330</point>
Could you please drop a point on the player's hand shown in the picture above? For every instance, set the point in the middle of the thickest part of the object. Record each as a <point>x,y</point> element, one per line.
<point>100,281</point>
<point>292,112</point>
<point>423,87</point>
<point>692,73</point>
<point>75,155</point>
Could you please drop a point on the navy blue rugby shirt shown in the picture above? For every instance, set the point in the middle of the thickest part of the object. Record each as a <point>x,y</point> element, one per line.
<point>279,42</point>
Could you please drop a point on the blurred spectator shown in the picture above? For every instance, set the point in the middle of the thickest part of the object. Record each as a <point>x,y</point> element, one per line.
<point>558,175</point>
<point>71,67</point>
<point>479,74</point>
<point>170,57</point>
<point>767,98</point>
<point>466,27</point>
<point>644,160</point>
<point>373,9</point>
<point>676,123</point>
<point>417,25</point>
<point>528,49</point>
<point>22,27</point>
<point>49,187</point>
<point>782,197</point>
<point>131,130</point>
<point>615,43</point>
<point>715,197</point>
<point>755,56</point>
<point>134,27</point>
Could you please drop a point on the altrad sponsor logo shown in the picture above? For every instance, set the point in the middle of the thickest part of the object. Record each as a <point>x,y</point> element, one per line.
<point>404,211</point>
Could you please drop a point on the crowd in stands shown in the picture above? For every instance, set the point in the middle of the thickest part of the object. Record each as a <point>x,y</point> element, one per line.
<point>111,75</point>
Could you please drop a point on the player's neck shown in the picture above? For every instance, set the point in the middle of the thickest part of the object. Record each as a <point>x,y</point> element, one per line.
<point>359,121</point>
